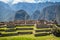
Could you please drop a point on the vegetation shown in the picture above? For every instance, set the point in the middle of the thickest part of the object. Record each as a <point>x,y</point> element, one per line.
<point>56,30</point>
<point>30,37</point>
<point>27,36</point>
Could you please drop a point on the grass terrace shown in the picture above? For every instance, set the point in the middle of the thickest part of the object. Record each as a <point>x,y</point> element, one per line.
<point>17,32</point>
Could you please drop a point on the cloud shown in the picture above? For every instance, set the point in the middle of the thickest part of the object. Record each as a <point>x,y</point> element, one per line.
<point>16,1</point>
<point>30,1</point>
<point>4,1</point>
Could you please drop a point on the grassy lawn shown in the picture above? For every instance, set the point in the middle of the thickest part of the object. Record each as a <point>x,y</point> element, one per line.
<point>30,37</point>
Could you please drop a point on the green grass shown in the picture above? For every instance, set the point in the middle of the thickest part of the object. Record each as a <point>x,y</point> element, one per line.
<point>6,28</point>
<point>25,26</point>
<point>49,37</point>
<point>43,29</point>
<point>24,31</point>
<point>43,32</point>
<point>30,37</point>
<point>8,32</point>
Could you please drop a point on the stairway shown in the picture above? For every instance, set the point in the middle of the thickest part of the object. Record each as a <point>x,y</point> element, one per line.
<point>24,30</point>
<point>18,30</point>
<point>42,30</point>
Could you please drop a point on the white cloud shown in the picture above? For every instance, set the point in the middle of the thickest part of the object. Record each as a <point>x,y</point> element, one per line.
<point>16,1</point>
<point>29,0</point>
<point>4,1</point>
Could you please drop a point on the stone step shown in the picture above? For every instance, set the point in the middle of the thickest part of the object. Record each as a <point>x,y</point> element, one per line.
<point>0,34</point>
<point>10,30</point>
<point>2,26</point>
<point>42,30</point>
<point>43,26</point>
<point>2,30</point>
<point>8,34</point>
<point>24,28</point>
<point>24,24</point>
<point>13,34</point>
<point>11,26</point>
<point>7,29</point>
<point>25,33</point>
<point>41,34</point>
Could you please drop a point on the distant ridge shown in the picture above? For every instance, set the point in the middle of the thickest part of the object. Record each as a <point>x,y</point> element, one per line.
<point>7,13</point>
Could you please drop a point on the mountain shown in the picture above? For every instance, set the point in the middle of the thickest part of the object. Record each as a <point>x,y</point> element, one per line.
<point>21,15</point>
<point>35,15</point>
<point>43,14</point>
<point>31,7</point>
<point>33,11</point>
<point>6,13</point>
<point>52,13</point>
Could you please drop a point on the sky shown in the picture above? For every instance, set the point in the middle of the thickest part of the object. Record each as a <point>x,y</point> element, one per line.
<point>30,1</point>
